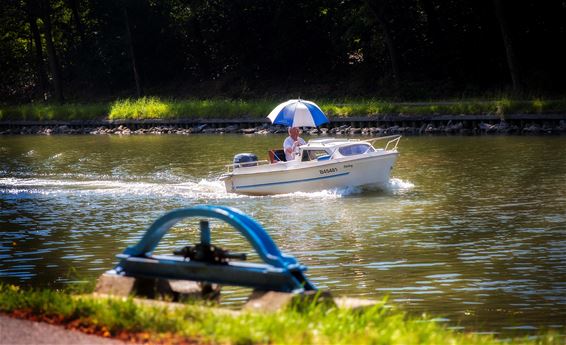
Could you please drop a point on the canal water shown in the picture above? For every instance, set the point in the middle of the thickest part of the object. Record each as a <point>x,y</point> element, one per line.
<point>471,230</point>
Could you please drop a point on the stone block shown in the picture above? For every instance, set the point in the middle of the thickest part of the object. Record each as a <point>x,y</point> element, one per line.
<point>268,301</point>
<point>272,301</point>
<point>164,289</point>
<point>113,284</point>
<point>190,290</point>
<point>354,303</point>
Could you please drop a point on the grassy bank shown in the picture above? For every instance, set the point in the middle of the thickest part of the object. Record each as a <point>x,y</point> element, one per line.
<point>311,324</point>
<point>155,108</point>
<point>46,112</point>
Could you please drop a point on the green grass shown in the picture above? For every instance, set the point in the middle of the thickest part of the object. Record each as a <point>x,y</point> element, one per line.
<point>47,112</point>
<point>300,324</point>
<point>156,108</point>
<point>500,107</point>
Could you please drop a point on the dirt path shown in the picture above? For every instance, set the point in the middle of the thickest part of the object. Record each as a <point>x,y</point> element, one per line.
<point>17,331</point>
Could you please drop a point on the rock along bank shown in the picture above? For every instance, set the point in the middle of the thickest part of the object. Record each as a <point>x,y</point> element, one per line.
<point>367,125</point>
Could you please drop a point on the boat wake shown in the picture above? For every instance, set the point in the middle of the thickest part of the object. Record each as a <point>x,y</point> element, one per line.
<point>208,189</point>
<point>394,186</point>
<point>202,189</point>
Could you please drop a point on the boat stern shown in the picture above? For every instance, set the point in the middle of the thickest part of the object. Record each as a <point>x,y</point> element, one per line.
<point>228,180</point>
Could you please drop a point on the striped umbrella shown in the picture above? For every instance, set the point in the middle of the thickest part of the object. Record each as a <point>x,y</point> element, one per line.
<point>297,113</point>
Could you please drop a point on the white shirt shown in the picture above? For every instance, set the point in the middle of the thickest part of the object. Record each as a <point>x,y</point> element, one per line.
<point>288,143</point>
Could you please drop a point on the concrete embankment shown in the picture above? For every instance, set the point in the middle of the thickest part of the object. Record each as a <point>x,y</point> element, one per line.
<point>366,125</point>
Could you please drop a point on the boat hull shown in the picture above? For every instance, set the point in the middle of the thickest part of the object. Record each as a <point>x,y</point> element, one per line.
<point>371,170</point>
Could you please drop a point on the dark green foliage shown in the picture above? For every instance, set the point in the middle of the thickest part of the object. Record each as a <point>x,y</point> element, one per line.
<point>396,49</point>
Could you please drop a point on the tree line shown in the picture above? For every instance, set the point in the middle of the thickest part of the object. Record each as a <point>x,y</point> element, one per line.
<point>58,50</point>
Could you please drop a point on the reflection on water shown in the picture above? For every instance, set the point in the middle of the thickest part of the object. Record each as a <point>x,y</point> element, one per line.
<point>471,229</point>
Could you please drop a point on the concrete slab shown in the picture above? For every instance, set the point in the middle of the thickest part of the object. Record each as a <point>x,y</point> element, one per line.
<point>272,301</point>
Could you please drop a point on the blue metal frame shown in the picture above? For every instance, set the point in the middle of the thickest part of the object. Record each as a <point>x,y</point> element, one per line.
<point>280,273</point>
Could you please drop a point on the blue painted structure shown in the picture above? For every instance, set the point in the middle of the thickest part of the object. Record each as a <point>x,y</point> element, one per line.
<point>280,272</point>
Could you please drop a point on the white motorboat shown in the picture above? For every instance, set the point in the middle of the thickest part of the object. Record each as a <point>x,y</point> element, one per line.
<point>321,164</point>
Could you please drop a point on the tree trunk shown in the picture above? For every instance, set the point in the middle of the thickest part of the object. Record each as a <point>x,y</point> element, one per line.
<point>433,26</point>
<point>200,51</point>
<point>74,6</point>
<point>377,7</point>
<point>512,61</point>
<point>132,55</point>
<point>36,36</point>
<point>51,53</point>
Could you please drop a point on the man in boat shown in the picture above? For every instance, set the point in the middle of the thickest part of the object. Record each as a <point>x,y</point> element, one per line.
<point>292,143</point>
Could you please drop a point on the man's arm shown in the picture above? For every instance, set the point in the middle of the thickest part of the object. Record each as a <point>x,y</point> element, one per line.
<point>288,146</point>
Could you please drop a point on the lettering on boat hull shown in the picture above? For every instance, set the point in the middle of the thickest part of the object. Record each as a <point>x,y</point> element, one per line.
<point>328,171</point>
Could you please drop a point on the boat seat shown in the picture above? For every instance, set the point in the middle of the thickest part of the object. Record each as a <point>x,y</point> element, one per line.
<point>276,155</point>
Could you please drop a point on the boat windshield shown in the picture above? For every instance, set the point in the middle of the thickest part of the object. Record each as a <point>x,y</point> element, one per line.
<point>310,155</point>
<point>355,149</point>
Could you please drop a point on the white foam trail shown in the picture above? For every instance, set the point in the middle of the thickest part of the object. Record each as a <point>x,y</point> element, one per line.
<point>396,184</point>
<point>321,195</point>
<point>202,189</point>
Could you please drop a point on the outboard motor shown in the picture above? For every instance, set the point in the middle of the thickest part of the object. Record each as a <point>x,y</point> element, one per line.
<point>242,160</point>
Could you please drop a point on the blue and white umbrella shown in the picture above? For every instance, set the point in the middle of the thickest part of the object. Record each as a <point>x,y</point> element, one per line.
<point>297,113</point>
